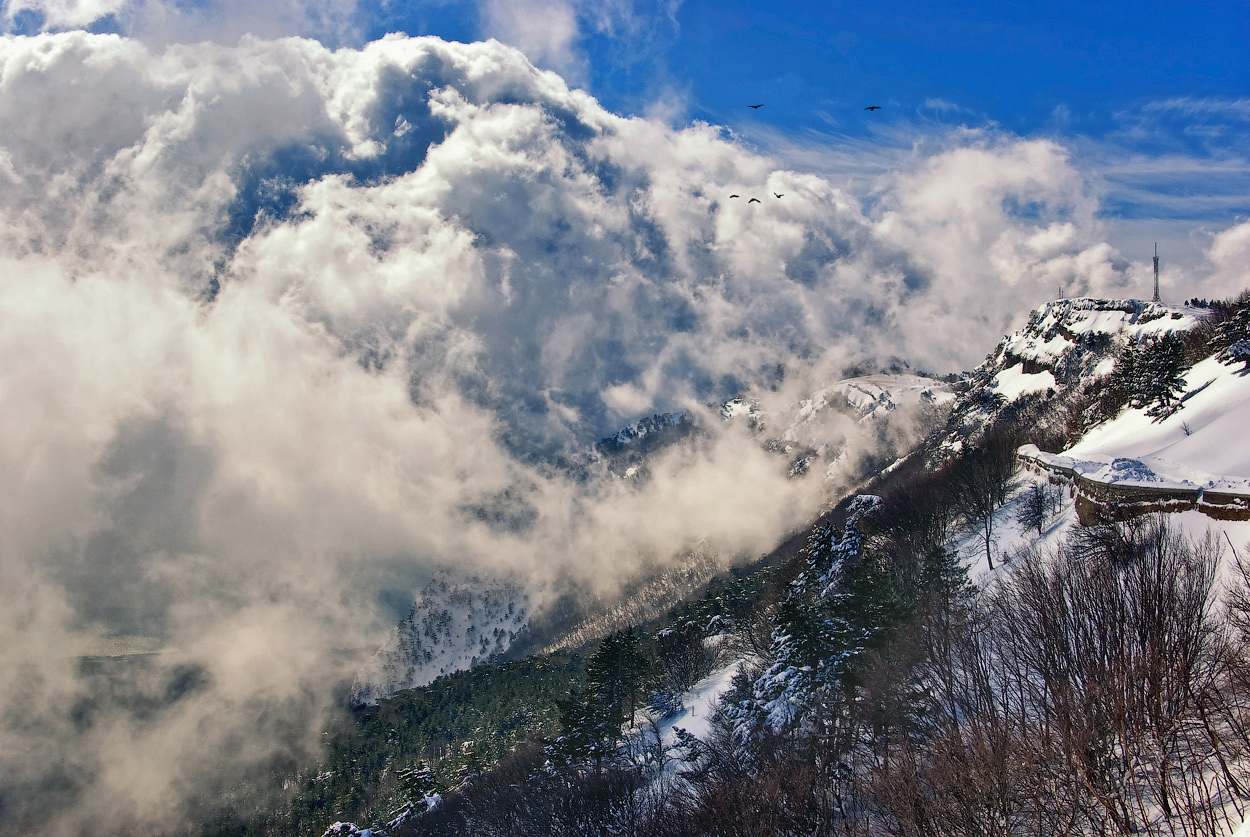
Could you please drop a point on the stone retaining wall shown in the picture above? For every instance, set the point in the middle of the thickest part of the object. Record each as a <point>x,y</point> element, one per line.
<point>1100,502</point>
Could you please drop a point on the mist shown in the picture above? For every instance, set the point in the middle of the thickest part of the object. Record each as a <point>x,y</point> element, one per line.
<point>276,319</point>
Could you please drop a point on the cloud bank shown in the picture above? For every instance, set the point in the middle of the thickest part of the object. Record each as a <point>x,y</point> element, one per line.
<point>278,322</point>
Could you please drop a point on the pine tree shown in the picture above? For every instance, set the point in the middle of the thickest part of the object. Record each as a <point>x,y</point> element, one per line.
<point>1237,352</point>
<point>1162,375</point>
<point>843,604</point>
<point>1234,330</point>
<point>616,673</point>
<point>586,732</point>
<point>418,792</point>
<point>417,782</point>
<point>681,657</point>
<point>1038,506</point>
<point>1124,379</point>
<point>591,718</point>
<point>944,581</point>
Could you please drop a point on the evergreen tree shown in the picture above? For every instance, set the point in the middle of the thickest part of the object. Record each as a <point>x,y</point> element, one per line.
<point>944,585</point>
<point>871,602</point>
<point>844,604</point>
<point>1233,330</point>
<point>680,657</point>
<point>591,718</point>
<point>1038,505</point>
<point>1237,352</point>
<point>1162,375</point>
<point>1124,379</point>
<point>586,732</point>
<point>616,673</point>
<point>416,784</point>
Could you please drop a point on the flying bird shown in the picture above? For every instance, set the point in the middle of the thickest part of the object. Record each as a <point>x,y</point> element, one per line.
<point>754,200</point>
<point>873,107</point>
<point>756,107</point>
<point>735,196</point>
<point>778,196</point>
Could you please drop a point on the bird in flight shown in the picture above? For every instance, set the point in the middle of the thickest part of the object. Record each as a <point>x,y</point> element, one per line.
<point>754,200</point>
<point>873,107</point>
<point>756,107</point>
<point>779,196</point>
<point>735,196</point>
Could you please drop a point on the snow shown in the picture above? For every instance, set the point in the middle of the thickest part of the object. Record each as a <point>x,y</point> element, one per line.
<point>738,408</point>
<point>866,397</point>
<point>646,427</point>
<point>1146,472</point>
<point>1135,318</point>
<point>1029,346</point>
<point>1013,382</point>
<point>1204,446</point>
<point>347,829</point>
<point>1207,436</point>
<point>455,623</point>
<point>1195,525</point>
<point>1010,538</point>
<point>698,705</point>
<point>1058,328</point>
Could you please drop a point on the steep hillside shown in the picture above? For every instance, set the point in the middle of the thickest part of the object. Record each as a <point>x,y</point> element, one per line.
<point>1065,346</point>
<point>455,623</point>
<point>858,683</point>
<point>847,428</point>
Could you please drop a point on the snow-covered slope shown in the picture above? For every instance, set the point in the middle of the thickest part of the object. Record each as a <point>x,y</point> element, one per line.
<point>1200,453</point>
<point>455,623</point>
<point>458,622</point>
<point>1064,345</point>
<point>849,426</point>
<point>1207,439</point>
<point>1063,336</point>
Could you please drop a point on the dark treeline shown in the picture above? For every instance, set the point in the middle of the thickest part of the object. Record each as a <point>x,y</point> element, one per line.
<point>1102,688</point>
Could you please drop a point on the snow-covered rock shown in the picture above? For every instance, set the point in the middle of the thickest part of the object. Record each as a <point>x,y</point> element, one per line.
<point>455,623</point>
<point>1064,345</point>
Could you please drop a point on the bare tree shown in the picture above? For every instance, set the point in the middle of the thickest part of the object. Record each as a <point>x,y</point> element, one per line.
<point>981,480</point>
<point>1038,506</point>
<point>1112,641</point>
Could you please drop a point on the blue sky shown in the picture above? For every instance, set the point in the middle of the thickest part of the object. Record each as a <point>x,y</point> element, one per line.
<point>1152,99</point>
<point>817,63</point>
<point>285,328</point>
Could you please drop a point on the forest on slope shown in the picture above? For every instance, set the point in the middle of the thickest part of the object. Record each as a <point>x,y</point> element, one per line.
<point>1097,682</point>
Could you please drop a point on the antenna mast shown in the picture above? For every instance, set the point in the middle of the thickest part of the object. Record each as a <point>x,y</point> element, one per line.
<point>1156,299</point>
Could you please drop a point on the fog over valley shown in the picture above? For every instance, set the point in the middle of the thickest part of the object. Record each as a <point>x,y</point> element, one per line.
<point>287,330</point>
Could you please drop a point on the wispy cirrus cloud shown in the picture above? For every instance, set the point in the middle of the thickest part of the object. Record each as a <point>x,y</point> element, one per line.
<point>1201,106</point>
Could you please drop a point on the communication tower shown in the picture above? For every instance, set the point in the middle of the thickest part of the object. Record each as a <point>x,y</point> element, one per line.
<point>1156,298</point>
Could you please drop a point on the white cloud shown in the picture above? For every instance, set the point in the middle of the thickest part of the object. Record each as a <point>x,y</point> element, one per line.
<point>67,14</point>
<point>171,21</point>
<point>1230,256</point>
<point>547,31</point>
<point>1202,106</point>
<point>273,318</point>
<point>943,106</point>
<point>552,33</point>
